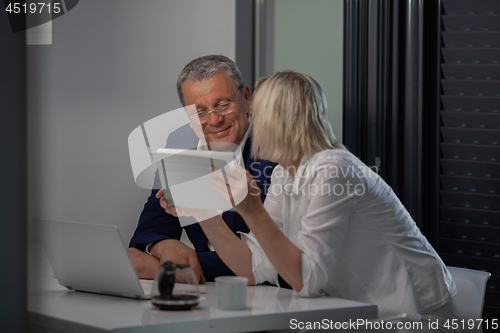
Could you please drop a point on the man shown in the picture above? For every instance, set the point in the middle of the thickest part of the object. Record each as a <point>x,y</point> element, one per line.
<point>215,86</point>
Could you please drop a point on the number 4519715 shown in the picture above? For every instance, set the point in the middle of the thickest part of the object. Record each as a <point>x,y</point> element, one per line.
<point>33,8</point>
<point>471,324</point>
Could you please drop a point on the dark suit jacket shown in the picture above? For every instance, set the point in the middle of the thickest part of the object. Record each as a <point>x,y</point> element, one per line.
<point>155,224</point>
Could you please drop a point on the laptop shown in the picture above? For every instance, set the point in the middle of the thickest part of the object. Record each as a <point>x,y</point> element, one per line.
<point>91,258</point>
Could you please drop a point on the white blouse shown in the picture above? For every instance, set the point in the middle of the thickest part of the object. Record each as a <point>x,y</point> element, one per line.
<point>357,240</point>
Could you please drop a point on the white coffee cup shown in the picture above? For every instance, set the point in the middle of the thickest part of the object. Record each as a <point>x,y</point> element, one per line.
<point>231,292</point>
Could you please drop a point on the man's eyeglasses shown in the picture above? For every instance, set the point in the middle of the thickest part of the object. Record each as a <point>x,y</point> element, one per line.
<point>221,110</point>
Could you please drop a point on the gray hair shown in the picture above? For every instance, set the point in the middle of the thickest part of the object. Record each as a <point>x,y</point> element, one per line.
<point>205,67</point>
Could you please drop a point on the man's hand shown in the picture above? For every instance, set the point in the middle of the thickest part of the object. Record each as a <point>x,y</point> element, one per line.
<point>198,214</point>
<point>145,265</point>
<point>178,253</point>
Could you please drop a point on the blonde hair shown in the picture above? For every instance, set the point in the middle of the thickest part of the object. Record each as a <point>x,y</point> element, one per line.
<point>289,118</point>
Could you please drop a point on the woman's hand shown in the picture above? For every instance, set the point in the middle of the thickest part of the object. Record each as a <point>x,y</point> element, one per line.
<point>198,214</point>
<point>240,189</point>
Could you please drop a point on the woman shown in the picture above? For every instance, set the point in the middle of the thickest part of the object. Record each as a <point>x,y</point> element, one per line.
<point>329,225</point>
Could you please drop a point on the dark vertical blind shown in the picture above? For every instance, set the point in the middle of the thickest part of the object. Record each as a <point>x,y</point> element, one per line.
<point>469,227</point>
<point>383,88</point>
<point>425,77</point>
<point>12,178</point>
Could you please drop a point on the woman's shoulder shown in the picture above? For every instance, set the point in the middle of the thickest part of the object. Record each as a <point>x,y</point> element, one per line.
<point>337,156</point>
<point>338,161</point>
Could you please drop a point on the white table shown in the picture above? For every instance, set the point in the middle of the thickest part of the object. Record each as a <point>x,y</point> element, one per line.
<point>52,308</point>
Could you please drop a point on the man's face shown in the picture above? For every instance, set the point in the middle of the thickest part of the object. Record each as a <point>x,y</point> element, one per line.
<point>209,93</point>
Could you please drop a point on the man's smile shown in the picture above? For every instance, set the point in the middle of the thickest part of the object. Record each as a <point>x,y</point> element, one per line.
<point>222,132</point>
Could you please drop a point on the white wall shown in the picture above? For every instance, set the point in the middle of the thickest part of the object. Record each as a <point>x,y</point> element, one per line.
<point>112,66</point>
<point>308,37</point>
